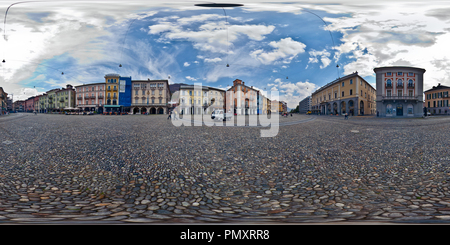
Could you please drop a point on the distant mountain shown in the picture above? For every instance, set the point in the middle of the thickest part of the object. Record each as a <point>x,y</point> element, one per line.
<point>175,87</point>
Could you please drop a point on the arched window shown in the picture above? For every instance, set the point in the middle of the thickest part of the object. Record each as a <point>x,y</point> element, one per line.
<point>389,83</point>
<point>389,109</point>
<point>399,83</point>
<point>410,83</point>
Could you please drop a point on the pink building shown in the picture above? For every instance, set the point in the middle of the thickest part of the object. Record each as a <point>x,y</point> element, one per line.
<point>90,97</point>
<point>29,104</point>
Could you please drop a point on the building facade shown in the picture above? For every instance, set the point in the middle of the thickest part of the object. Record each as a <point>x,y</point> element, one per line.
<point>305,105</point>
<point>242,99</point>
<point>29,104</point>
<point>112,93</point>
<point>3,101</point>
<point>399,91</point>
<point>193,99</point>
<point>19,106</point>
<point>90,97</point>
<point>350,94</point>
<point>150,96</point>
<point>436,100</point>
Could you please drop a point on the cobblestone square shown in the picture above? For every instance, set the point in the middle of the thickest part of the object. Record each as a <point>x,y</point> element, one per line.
<point>143,169</point>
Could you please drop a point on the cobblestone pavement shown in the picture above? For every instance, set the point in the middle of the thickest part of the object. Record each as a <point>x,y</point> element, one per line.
<point>142,169</point>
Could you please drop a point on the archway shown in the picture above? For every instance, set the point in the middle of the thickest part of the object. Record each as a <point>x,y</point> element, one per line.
<point>343,107</point>
<point>160,111</point>
<point>361,107</point>
<point>136,110</point>
<point>351,108</point>
<point>153,110</point>
<point>143,110</point>
<point>335,109</point>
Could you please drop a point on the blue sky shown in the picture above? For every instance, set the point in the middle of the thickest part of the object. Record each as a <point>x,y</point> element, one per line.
<point>273,46</point>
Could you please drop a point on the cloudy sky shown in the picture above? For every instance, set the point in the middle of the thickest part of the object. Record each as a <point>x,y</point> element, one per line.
<point>290,47</point>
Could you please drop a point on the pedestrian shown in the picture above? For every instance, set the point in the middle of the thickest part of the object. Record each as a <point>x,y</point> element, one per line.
<point>170,115</point>
<point>346,116</point>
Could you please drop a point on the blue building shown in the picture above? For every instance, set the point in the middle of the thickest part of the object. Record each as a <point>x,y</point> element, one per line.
<point>118,93</point>
<point>125,93</point>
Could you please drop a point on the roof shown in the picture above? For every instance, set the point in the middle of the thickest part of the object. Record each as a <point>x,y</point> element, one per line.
<point>438,87</point>
<point>355,74</point>
<point>398,68</point>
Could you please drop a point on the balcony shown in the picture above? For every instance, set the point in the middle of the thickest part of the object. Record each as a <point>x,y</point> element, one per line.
<point>410,85</point>
<point>400,97</point>
<point>149,104</point>
<point>399,85</point>
<point>388,85</point>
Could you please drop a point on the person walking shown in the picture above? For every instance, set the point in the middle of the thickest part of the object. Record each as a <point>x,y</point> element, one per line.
<point>346,116</point>
<point>170,115</point>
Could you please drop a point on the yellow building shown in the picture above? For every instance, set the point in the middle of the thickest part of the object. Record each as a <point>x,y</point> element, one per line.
<point>436,100</point>
<point>112,93</point>
<point>350,94</point>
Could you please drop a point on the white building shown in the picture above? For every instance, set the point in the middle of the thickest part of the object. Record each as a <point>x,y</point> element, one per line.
<point>399,91</point>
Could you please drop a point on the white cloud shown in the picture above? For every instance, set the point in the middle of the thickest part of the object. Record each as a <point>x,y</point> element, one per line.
<point>212,36</point>
<point>323,55</point>
<point>292,92</point>
<point>191,78</point>
<point>286,49</point>
<point>186,64</point>
<point>395,33</point>
<point>215,60</point>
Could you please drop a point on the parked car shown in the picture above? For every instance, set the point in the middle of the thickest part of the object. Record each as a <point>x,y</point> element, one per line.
<point>221,115</point>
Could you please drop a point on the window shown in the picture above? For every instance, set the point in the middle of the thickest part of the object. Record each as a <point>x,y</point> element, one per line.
<point>343,83</point>
<point>389,74</point>
<point>160,101</point>
<point>399,73</point>
<point>410,109</point>
<point>400,93</point>
<point>411,74</point>
<point>410,93</point>
<point>342,93</point>
<point>351,92</point>
<point>388,93</point>
<point>351,81</point>
<point>389,109</point>
<point>389,83</point>
<point>335,95</point>
<point>400,83</point>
